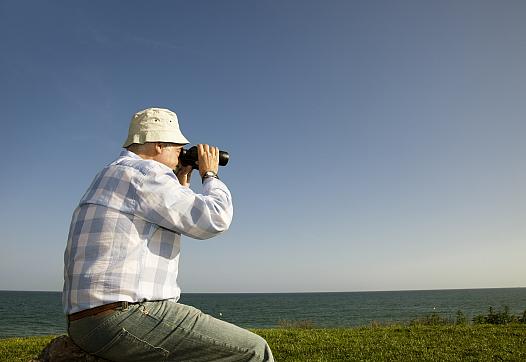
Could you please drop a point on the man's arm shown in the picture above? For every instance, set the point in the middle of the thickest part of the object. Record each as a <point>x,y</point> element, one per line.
<point>171,204</point>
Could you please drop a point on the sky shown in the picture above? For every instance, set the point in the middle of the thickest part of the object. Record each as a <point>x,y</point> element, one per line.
<point>374,145</point>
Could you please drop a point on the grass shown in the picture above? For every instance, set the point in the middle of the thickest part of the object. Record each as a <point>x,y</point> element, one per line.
<point>479,342</point>
<point>22,349</point>
<point>400,343</point>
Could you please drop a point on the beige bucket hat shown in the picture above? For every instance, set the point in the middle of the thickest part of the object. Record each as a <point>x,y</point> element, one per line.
<point>154,125</point>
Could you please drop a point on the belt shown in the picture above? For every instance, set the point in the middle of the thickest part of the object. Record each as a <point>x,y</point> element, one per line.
<point>97,310</point>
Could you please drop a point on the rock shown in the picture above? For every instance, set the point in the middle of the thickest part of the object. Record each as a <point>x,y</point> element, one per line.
<point>63,349</point>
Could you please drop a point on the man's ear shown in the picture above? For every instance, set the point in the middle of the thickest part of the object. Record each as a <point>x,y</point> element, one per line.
<point>158,148</point>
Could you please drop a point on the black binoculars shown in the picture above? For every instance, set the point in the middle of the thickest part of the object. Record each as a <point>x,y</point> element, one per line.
<point>189,157</point>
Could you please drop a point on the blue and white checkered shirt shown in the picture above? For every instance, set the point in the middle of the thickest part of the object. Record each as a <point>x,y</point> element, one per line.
<point>125,234</point>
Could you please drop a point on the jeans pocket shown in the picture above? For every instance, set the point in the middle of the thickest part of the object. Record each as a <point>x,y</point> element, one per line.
<point>127,347</point>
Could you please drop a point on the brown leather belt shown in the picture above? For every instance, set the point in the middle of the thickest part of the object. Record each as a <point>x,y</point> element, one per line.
<point>97,310</point>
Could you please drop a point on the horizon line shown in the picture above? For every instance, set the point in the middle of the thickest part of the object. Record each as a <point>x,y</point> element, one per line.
<point>304,292</point>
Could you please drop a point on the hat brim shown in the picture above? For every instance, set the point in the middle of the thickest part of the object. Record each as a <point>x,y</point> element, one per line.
<point>153,136</point>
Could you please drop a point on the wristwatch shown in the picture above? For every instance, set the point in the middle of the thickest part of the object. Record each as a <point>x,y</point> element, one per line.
<point>209,174</point>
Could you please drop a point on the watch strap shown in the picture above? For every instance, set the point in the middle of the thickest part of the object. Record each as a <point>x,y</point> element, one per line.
<point>209,174</point>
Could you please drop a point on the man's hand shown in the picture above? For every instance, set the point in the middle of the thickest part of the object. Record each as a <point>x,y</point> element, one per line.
<point>184,173</point>
<point>208,158</point>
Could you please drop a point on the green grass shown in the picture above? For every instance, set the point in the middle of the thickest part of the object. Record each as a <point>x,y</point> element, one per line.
<point>384,343</point>
<point>22,349</point>
<point>400,343</point>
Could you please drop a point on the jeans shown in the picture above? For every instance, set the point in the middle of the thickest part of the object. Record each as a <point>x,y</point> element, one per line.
<point>166,331</point>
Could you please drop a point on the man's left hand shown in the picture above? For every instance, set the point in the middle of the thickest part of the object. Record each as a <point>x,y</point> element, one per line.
<point>184,173</point>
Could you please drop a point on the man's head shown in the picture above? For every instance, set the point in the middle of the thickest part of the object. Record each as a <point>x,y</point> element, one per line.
<point>163,152</point>
<point>154,134</point>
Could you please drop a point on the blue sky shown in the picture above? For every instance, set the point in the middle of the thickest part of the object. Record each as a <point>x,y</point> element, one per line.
<point>375,145</point>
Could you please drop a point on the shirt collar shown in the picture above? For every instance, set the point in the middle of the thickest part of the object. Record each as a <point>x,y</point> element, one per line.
<point>126,153</point>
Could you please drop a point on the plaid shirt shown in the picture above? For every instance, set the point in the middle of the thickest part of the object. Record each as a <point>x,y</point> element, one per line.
<point>125,234</point>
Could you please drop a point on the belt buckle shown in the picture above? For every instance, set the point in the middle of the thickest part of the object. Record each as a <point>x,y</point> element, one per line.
<point>124,305</point>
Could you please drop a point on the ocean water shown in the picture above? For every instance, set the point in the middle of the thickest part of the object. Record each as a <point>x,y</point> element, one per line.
<point>40,313</point>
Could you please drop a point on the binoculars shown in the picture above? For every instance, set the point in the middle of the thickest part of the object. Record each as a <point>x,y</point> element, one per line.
<point>189,157</point>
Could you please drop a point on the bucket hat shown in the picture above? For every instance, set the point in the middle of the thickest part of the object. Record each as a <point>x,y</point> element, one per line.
<point>154,125</point>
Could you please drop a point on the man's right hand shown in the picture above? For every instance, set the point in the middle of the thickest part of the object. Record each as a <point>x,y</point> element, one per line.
<point>208,158</point>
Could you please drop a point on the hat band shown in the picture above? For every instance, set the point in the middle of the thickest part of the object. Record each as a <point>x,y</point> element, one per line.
<point>156,136</point>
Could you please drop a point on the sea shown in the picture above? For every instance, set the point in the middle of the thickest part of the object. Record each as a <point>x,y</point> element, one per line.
<point>40,313</point>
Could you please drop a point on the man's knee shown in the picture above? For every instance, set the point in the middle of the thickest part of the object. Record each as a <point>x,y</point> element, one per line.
<point>261,348</point>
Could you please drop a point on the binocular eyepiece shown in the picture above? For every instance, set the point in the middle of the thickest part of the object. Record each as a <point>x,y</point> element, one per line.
<point>189,157</point>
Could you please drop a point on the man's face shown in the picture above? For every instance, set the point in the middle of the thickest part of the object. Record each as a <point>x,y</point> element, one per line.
<point>169,155</point>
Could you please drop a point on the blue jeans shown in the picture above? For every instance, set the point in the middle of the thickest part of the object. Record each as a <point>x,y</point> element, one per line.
<point>166,331</point>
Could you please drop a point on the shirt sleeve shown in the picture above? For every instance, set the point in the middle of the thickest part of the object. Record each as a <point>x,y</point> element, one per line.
<point>163,201</point>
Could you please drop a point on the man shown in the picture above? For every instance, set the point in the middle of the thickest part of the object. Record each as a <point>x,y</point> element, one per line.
<point>121,260</point>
